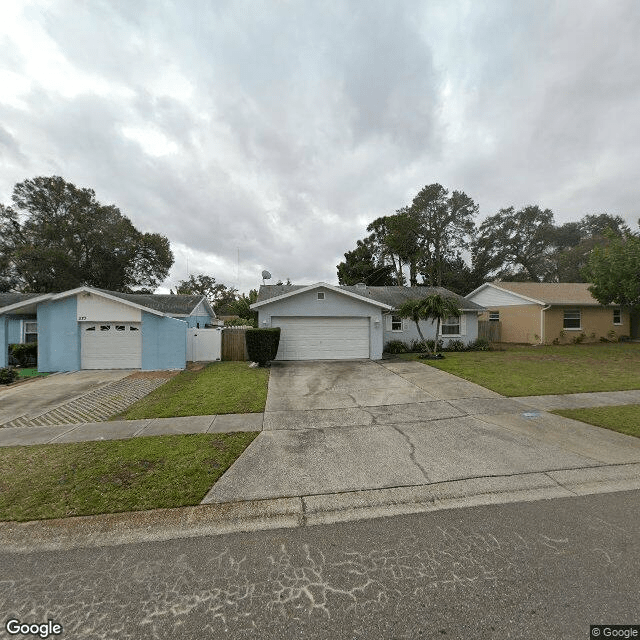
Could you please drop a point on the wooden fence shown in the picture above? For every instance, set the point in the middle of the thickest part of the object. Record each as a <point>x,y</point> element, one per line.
<point>492,331</point>
<point>234,346</point>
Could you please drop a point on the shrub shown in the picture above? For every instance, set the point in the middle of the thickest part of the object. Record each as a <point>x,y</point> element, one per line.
<point>25,354</point>
<point>8,375</point>
<point>421,347</point>
<point>579,338</point>
<point>456,345</point>
<point>262,344</point>
<point>396,346</point>
<point>481,344</point>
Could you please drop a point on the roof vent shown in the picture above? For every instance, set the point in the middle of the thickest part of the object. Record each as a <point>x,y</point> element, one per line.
<point>361,285</point>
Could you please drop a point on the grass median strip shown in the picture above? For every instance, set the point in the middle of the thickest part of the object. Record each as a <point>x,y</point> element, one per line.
<point>87,478</point>
<point>218,388</point>
<point>542,370</point>
<point>624,419</point>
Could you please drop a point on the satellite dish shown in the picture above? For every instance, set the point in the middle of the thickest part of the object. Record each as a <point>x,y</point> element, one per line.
<point>265,276</point>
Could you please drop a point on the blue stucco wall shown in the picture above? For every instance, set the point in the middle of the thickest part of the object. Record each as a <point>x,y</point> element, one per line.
<point>164,342</point>
<point>4,343</point>
<point>58,336</point>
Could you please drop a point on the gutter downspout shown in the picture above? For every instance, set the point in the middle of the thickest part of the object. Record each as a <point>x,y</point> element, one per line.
<point>542,310</point>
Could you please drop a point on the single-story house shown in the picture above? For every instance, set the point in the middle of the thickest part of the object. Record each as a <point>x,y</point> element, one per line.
<point>541,312</point>
<point>327,322</point>
<point>88,328</point>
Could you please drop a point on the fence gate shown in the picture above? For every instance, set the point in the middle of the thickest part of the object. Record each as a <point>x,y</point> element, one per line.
<point>234,345</point>
<point>490,330</point>
<point>204,345</point>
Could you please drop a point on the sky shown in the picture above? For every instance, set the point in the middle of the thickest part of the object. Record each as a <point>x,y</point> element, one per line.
<point>267,134</point>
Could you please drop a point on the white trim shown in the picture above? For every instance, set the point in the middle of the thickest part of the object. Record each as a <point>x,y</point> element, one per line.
<point>317,285</point>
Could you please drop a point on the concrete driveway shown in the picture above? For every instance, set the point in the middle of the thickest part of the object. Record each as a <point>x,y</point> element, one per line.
<point>333,427</point>
<point>43,394</point>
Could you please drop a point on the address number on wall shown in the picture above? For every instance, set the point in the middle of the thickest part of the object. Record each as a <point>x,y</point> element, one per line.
<point>82,317</point>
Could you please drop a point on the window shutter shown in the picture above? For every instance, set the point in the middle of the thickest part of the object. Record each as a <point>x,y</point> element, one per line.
<point>463,324</point>
<point>387,321</point>
<point>404,324</point>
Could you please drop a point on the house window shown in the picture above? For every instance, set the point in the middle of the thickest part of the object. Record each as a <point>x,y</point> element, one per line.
<point>320,295</point>
<point>494,316</point>
<point>451,326</point>
<point>30,332</point>
<point>571,319</point>
<point>396,323</point>
<point>617,316</point>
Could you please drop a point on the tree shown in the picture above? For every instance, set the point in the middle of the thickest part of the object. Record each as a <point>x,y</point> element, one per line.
<point>443,226</point>
<point>515,244</point>
<point>219,295</point>
<point>434,307</point>
<point>240,307</point>
<point>57,236</point>
<point>363,265</point>
<point>614,270</point>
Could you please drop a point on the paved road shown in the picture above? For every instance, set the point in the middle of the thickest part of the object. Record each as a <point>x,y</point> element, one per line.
<point>529,570</point>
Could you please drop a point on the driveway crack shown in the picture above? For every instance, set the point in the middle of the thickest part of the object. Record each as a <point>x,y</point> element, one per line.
<point>412,452</point>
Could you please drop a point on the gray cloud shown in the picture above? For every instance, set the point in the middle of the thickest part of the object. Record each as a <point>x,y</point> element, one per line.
<point>281,129</point>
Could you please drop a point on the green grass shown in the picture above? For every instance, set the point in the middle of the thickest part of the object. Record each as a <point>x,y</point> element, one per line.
<point>30,373</point>
<point>625,419</point>
<point>86,478</point>
<point>525,371</point>
<point>221,387</point>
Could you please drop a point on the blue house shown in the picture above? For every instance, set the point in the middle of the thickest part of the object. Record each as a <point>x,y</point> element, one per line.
<point>88,328</point>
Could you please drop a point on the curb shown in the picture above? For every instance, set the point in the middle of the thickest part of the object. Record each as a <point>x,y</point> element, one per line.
<point>286,513</point>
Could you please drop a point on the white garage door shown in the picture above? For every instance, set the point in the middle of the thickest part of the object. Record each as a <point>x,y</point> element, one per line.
<point>322,338</point>
<point>111,345</point>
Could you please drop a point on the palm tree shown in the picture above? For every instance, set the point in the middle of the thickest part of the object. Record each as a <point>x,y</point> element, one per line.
<point>434,307</point>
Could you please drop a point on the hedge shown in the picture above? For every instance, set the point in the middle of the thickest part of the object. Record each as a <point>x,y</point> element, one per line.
<point>262,344</point>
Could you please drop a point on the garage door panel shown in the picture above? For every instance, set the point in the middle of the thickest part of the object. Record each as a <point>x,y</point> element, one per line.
<point>111,345</point>
<point>328,338</point>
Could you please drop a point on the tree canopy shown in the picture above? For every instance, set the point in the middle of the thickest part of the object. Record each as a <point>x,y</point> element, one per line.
<point>219,295</point>
<point>435,242</point>
<point>56,236</point>
<point>614,270</point>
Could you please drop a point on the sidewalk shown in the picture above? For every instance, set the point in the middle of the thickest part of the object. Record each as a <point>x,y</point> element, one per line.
<point>120,429</point>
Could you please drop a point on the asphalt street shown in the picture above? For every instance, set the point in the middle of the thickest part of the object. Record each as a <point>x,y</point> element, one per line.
<point>545,569</point>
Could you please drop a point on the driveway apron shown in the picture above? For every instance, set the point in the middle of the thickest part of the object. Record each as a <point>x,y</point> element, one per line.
<point>334,426</point>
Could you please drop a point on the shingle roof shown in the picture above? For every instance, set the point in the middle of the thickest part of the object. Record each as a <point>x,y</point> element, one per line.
<point>552,292</point>
<point>393,296</point>
<point>10,298</point>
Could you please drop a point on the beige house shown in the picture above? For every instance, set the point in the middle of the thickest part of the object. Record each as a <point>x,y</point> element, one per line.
<point>541,312</point>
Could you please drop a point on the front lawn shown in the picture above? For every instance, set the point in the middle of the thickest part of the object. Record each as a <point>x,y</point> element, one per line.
<point>542,370</point>
<point>625,419</point>
<point>87,478</point>
<point>220,387</point>
<point>31,373</point>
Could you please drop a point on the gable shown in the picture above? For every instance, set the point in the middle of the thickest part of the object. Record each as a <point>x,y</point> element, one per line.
<point>97,308</point>
<point>492,297</point>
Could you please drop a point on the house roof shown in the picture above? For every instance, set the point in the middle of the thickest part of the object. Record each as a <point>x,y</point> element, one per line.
<point>182,305</point>
<point>391,297</point>
<point>551,292</point>
<point>11,298</point>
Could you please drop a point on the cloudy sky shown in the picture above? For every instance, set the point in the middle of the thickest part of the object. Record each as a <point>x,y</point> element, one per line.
<point>268,134</point>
